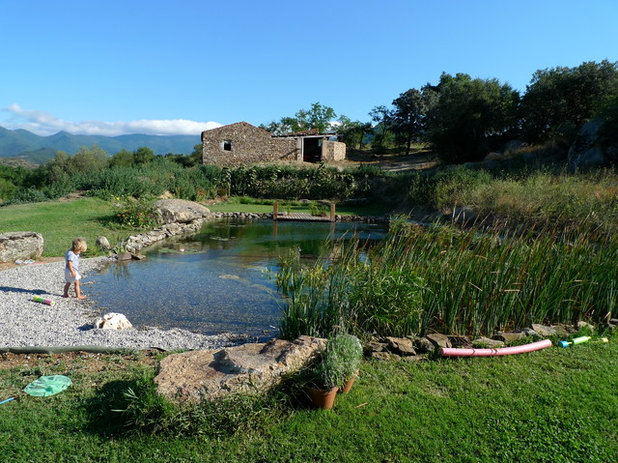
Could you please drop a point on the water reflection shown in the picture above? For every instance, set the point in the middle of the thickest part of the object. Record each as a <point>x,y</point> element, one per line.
<point>218,280</point>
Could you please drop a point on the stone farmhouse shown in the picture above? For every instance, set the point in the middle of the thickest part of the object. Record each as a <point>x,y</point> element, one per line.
<point>242,143</point>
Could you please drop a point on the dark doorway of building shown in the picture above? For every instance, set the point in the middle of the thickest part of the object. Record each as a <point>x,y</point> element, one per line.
<point>312,149</point>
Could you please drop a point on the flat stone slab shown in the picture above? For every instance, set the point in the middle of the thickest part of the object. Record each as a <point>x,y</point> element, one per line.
<point>201,375</point>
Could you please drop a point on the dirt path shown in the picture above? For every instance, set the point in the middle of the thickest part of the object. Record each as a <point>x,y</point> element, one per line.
<point>393,162</point>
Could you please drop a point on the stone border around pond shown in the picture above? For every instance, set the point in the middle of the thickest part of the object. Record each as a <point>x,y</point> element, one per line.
<point>414,348</point>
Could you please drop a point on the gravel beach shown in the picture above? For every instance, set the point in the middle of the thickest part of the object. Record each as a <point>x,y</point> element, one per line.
<point>69,322</point>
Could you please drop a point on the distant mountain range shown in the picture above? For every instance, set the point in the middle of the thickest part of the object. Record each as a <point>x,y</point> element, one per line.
<point>27,146</point>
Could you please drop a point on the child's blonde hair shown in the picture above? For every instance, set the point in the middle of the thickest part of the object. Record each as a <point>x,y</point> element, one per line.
<point>79,244</point>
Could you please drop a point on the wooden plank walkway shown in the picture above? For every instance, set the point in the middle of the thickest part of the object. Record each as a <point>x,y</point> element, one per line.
<point>298,216</point>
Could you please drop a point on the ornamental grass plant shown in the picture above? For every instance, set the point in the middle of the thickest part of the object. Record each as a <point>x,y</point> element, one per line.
<point>337,362</point>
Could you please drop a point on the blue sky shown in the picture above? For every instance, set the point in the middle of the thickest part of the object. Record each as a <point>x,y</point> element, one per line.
<point>134,66</point>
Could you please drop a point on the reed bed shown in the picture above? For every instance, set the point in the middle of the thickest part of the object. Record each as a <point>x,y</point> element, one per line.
<point>450,280</point>
<point>551,200</point>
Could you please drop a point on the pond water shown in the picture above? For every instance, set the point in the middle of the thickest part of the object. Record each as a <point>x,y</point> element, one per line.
<point>220,280</point>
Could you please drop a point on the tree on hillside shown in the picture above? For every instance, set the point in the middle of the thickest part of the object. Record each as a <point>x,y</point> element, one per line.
<point>352,133</point>
<point>88,160</point>
<point>317,117</point>
<point>197,155</point>
<point>608,114</point>
<point>123,158</point>
<point>407,120</point>
<point>84,161</point>
<point>469,115</point>
<point>381,134</point>
<point>55,169</point>
<point>560,100</point>
<point>143,155</point>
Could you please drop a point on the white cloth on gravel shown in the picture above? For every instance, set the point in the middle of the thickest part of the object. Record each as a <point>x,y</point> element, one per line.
<point>25,323</point>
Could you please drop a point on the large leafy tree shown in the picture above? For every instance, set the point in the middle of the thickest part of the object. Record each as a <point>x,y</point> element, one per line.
<point>89,160</point>
<point>407,119</point>
<point>123,158</point>
<point>317,117</point>
<point>382,136</point>
<point>558,101</point>
<point>470,115</point>
<point>143,155</point>
<point>352,132</point>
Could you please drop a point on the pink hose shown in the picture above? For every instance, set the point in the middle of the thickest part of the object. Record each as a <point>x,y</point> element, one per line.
<point>453,352</point>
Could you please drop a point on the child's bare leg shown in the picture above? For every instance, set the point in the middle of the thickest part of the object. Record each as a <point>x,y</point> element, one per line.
<point>66,290</point>
<point>78,293</point>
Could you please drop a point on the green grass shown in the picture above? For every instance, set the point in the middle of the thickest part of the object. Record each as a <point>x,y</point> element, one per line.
<point>238,204</point>
<point>558,405</point>
<point>61,221</point>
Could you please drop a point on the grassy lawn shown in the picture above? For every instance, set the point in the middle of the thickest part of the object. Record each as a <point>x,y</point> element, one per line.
<point>84,217</point>
<point>558,405</point>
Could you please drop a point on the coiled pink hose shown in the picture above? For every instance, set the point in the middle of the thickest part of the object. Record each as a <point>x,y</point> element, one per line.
<point>455,352</point>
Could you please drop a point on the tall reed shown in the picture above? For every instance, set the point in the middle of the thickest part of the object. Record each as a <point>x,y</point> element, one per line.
<point>454,281</point>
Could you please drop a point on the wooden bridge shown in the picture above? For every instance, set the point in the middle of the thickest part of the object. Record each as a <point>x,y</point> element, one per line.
<point>304,217</point>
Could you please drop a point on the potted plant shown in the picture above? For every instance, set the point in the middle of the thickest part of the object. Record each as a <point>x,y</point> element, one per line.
<point>327,375</point>
<point>348,348</point>
<point>337,365</point>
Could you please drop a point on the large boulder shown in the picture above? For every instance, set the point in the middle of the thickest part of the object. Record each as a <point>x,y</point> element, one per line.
<point>103,243</point>
<point>590,150</point>
<point>20,245</point>
<point>180,210</point>
<point>249,368</point>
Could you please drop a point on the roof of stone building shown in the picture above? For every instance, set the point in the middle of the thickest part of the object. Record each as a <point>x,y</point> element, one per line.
<point>243,124</point>
<point>303,133</point>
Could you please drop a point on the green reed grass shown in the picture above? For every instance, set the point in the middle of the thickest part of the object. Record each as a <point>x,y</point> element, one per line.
<point>584,202</point>
<point>454,281</point>
<point>482,283</point>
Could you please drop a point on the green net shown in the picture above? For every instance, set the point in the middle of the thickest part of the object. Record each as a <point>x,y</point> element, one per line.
<point>47,385</point>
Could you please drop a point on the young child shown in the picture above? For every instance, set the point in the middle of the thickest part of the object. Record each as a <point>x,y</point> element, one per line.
<point>71,269</point>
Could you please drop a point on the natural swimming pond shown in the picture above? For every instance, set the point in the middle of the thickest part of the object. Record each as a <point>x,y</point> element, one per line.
<point>220,280</point>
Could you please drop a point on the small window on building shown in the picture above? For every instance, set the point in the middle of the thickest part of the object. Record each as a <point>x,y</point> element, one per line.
<point>227,145</point>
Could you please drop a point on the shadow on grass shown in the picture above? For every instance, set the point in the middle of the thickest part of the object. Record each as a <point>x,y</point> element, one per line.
<point>104,415</point>
<point>129,407</point>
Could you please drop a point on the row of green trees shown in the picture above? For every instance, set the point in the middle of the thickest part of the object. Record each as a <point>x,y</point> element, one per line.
<point>463,117</point>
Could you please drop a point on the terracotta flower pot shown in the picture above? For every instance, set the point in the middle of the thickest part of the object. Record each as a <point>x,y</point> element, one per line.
<point>323,398</point>
<point>348,384</point>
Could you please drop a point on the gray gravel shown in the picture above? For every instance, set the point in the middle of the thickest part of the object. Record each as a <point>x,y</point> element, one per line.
<point>25,323</point>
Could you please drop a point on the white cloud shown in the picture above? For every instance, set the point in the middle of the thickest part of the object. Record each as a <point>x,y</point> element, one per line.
<point>43,123</point>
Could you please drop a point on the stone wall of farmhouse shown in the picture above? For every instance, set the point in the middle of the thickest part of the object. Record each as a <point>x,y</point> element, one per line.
<point>333,151</point>
<point>241,143</point>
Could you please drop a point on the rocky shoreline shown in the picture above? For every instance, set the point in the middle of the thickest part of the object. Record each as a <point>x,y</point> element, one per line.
<point>25,323</point>
<point>69,322</point>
